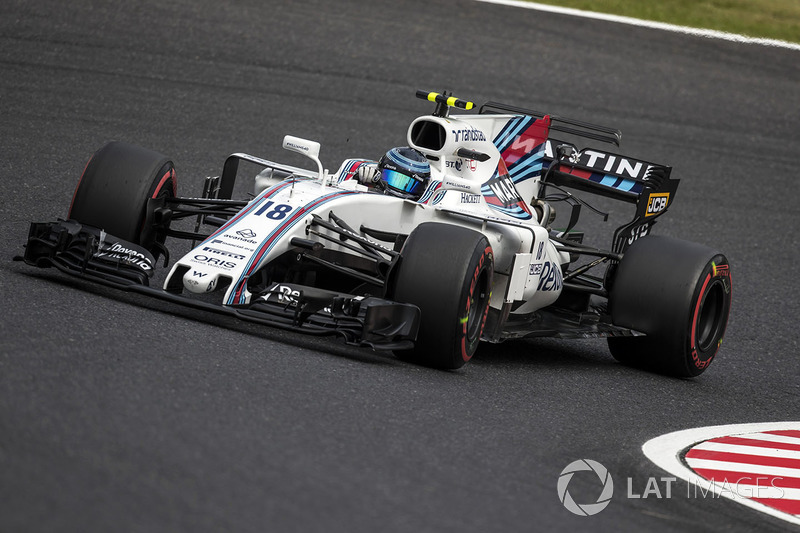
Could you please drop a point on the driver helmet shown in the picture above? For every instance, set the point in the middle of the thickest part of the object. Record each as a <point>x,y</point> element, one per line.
<point>404,172</point>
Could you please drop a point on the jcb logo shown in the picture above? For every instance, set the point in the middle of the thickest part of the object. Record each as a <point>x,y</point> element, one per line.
<point>657,203</point>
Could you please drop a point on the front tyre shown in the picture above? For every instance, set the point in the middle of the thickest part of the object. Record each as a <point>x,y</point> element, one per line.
<point>446,271</point>
<point>679,294</point>
<point>115,187</point>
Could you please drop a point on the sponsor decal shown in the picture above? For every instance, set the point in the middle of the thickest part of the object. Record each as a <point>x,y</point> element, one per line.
<point>232,244</point>
<point>454,164</point>
<point>501,195</point>
<point>536,269</point>
<point>295,146</point>
<point>467,198</point>
<point>473,165</point>
<point>638,232</point>
<point>214,261</point>
<point>235,241</point>
<point>118,252</point>
<point>550,279</point>
<point>468,134</point>
<point>657,203</point>
<point>247,234</point>
<point>604,162</point>
<point>289,296</point>
<point>615,164</point>
<point>503,188</point>
<point>282,294</point>
<point>721,270</point>
<point>222,252</point>
<point>457,185</point>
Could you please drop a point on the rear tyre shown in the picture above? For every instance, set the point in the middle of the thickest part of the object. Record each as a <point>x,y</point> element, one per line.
<point>446,271</point>
<point>679,294</point>
<point>113,191</point>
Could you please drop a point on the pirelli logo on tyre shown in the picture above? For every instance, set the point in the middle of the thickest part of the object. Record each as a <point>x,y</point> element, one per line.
<point>657,203</point>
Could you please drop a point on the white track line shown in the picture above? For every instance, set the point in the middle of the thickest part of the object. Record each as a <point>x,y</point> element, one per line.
<point>710,34</point>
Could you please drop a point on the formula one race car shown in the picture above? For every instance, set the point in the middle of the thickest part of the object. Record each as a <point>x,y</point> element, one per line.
<point>474,256</point>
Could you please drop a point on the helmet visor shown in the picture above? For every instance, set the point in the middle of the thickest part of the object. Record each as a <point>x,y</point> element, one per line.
<point>401,182</point>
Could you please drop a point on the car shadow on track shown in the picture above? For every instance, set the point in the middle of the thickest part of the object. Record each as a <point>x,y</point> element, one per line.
<point>547,352</point>
<point>589,354</point>
<point>328,344</point>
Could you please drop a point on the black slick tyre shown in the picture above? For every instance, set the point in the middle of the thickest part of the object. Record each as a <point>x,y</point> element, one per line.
<point>679,294</point>
<point>445,270</point>
<point>116,184</point>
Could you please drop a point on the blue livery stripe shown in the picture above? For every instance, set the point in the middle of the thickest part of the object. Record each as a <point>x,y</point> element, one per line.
<point>272,239</point>
<point>609,181</point>
<point>504,140</point>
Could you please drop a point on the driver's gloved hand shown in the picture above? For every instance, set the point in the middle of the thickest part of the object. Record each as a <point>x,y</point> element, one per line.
<point>368,175</point>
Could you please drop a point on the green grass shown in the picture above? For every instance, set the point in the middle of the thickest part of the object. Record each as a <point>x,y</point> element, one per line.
<point>771,19</point>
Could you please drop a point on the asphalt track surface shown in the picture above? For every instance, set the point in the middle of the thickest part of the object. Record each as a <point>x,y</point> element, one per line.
<point>120,413</point>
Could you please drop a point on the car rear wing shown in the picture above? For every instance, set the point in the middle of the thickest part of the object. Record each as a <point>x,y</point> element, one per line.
<point>600,172</point>
<point>557,123</point>
<point>647,185</point>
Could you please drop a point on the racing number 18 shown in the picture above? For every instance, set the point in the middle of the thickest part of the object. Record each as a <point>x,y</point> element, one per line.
<point>280,210</point>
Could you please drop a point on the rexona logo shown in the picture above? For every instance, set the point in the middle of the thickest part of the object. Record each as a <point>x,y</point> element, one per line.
<point>657,203</point>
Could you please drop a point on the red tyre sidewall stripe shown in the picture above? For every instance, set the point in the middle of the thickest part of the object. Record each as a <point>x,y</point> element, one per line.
<point>78,186</point>
<point>170,174</point>
<point>486,253</point>
<point>695,357</point>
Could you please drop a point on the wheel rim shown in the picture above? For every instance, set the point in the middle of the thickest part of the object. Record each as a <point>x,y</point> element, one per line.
<point>709,320</point>
<point>477,305</point>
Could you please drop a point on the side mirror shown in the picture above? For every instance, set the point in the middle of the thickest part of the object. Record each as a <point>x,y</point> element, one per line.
<point>310,149</point>
<point>301,146</point>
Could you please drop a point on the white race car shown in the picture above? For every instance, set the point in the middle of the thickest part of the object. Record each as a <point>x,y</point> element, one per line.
<point>471,256</point>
